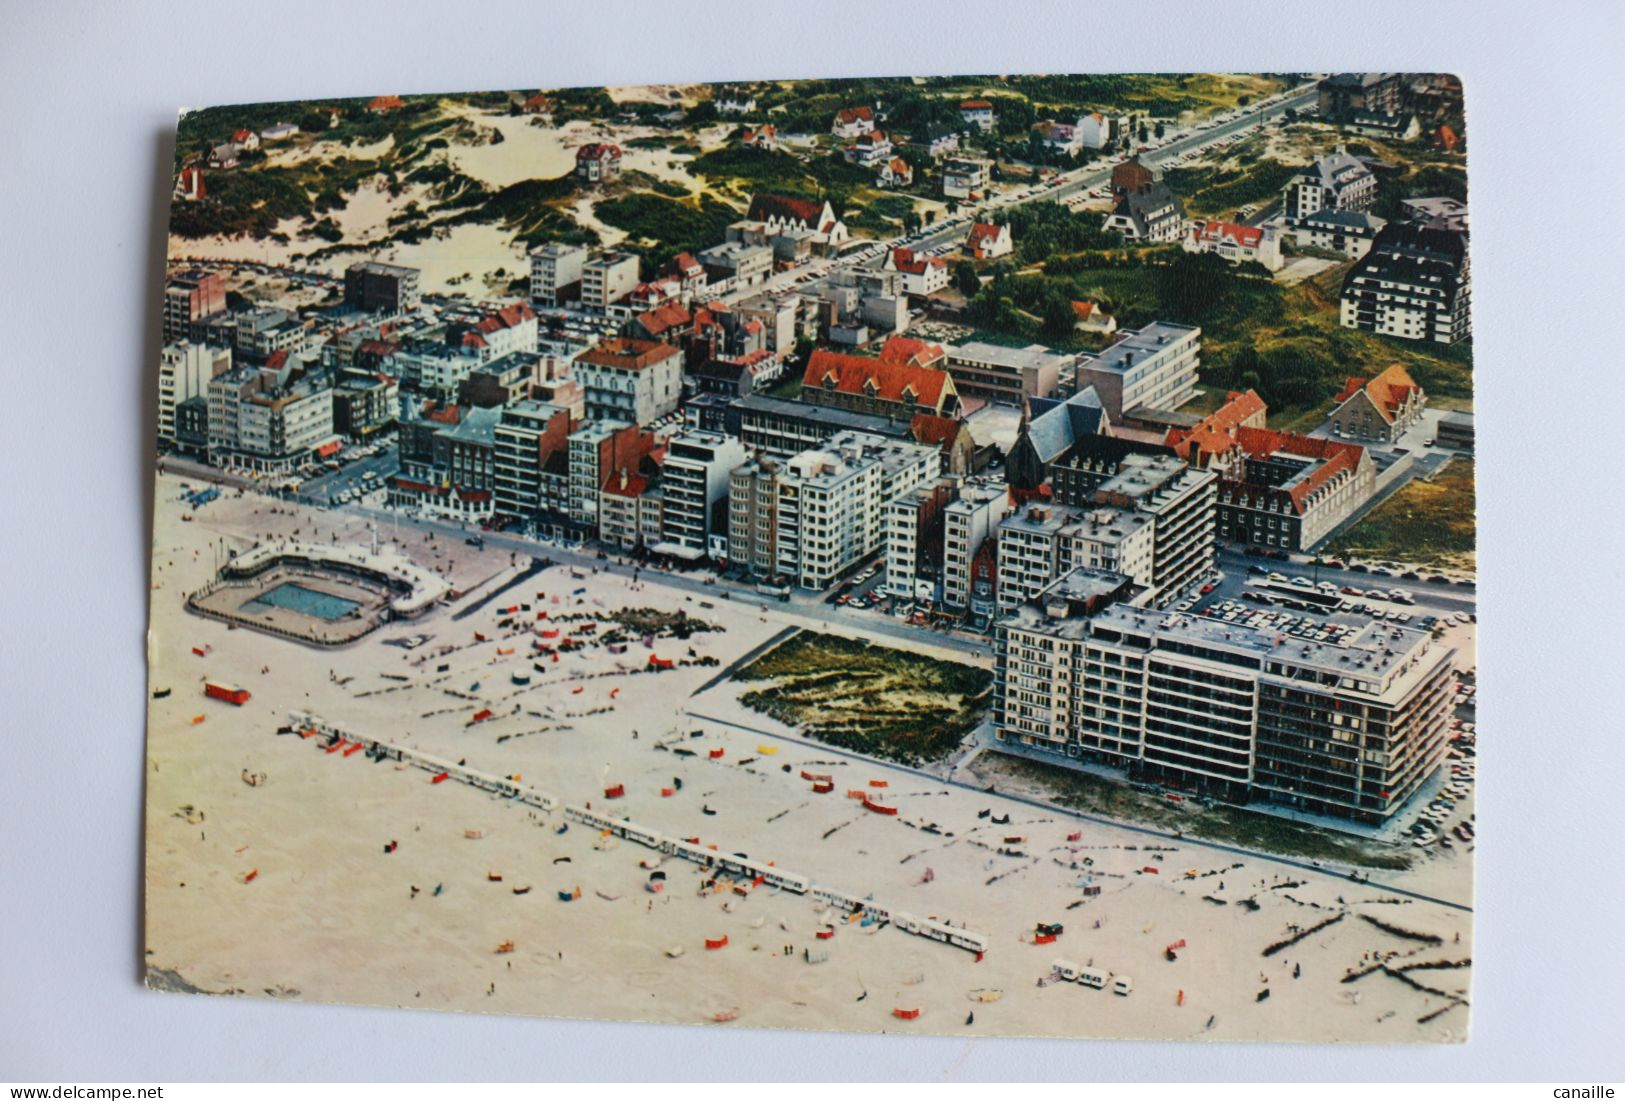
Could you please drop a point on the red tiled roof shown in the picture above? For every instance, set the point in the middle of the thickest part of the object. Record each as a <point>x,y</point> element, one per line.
<point>598,151</point>
<point>926,428</point>
<point>900,167</point>
<point>1216,433</point>
<point>848,115</point>
<point>685,262</point>
<point>624,352</point>
<point>765,207</point>
<point>911,349</point>
<point>385,103</point>
<point>662,319</point>
<point>1335,455</point>
<point>442,414</point>
<point>1219,232</point>
<point>241,136</point>
<point>536,102</point>
<point>976,105</point>
<point>378,348</point>
<point>1388,391</point>
<point>980,232</point>
<point>1084,310</point>
<point>277,359</point>
<point>891,378</point>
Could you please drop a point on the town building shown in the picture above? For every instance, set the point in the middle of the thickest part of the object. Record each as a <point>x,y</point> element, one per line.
<point>638,381</point>
<point>1381,408</point>
<point>631,507</point>
<point>1350,232</point>
<point>892,384</point>
<point>189,185</point>
<point>531,462</point>
<point>965,177</point>
<point>743,265</point>
<point>783,213</point>
<point>1154,367</point>
<point>870,149</point>
<point>262,332</point>
<point>1144,208</point>
<point>894,172</point>
<point>598,162</point>
<point>185,370</point>
<point>1336,181</point>
<point>735,101</point>
<point>1058,138</point>
<point>988,242</point>
<point>921,275</point>
<point>191,298</point>
<point>267,418</point>
<point>695,477</point>
<point>607,278</point>
<point>1094,131</point>
<point>912,523</point>
<point>1343,94</point>
<point>1003,373</point>
<point>377,287</point>
<point>555,273</point>
<point>1436,212</point>
<point>597,451</point>
<point>364,403</point>
<point>827,505</point>
<point>852,121</point>
<point>1236,244</point>
<point>1350,727</point>
<point>1092,319</point>
<point>1415,283</point>
<point>1456,431</point>
<point>969,521</point>
<point>978,113</point>
<point>1290,492</point>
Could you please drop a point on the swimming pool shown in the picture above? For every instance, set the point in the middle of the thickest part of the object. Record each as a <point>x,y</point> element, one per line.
<point>296,598</point>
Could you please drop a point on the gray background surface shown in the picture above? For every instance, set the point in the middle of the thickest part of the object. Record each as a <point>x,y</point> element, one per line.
<point>90,93</point>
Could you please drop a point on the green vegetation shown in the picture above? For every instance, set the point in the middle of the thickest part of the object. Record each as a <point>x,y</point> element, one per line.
<point>1427,523</point>
<point>1043,230</point>
<point>1231,825</point>
<point>892,704</point>
<point>1209,190</point>
<point>752,170</point>
<point>669,225</point>
<point>537,210</point>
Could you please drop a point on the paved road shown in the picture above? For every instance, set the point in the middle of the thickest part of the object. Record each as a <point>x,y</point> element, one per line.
<point>1080,179</point>
<point>1305,866</point>
<point>325,486</point>
<point>1431,597</point>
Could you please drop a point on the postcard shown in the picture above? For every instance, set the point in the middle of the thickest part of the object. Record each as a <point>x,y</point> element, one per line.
<point>969,555</point>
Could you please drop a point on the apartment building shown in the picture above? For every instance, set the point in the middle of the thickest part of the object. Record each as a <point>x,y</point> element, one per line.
<point>190,297</point>
<point>1003,373</point>
<point>532,441</point>
<point>630,380</point>
<point>596,451</point>
<point>1415,283</point>
<point>608,278</point>
<point>185,370</point>
<point>913,527</point>
<point>1336,181</point>
<point>267,419</point>
<point>555,273</point>
<point>1350,727</point>
<point>695,478</point>
<point>827,505</point>
<point>968,522</point>
<point>1155,367</point>
<point>382,288</point>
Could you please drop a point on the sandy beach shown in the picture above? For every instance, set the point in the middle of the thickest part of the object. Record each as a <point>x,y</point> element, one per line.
<point>330,915</point>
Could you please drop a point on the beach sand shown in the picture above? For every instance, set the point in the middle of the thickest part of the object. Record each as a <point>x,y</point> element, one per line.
<point>331,916</point>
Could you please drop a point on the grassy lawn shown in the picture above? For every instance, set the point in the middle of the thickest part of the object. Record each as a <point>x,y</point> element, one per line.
<point>1426,523</point>
<point>871,699</point>
<point>1094,794</point>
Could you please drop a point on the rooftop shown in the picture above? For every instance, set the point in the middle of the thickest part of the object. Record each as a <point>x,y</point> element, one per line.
<point>1135,347</point>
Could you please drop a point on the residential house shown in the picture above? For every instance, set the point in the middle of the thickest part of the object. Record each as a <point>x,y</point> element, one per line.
<point>978,113</point>
<point>1059,137</point>
<point>783,213</point>
<point>1094,131</point>
<point>870,149</point>
<point>636,381</point>
<point>382,105</point>
<point>895,172</point>
<point>989,242</point>
<point>223,156</point>
<point>1092,319</point>
<point>598,162</point>
<point>279,131</point>
<point>1381,408</point>
<point>735,101</point>
<point>850,122</point>
<point>765,137</point>
<point>894,385</point>
<point>921,275</point>
<point>246,140</point>
<point>1146,210</point>
<point>1236,243</point>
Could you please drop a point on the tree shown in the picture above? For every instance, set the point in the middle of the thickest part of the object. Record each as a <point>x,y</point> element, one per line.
<point>1159,129</point>
<point>1058,316</point>
<point>968,281</point>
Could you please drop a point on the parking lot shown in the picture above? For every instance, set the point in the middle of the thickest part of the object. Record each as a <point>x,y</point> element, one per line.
<point>350,475</point>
